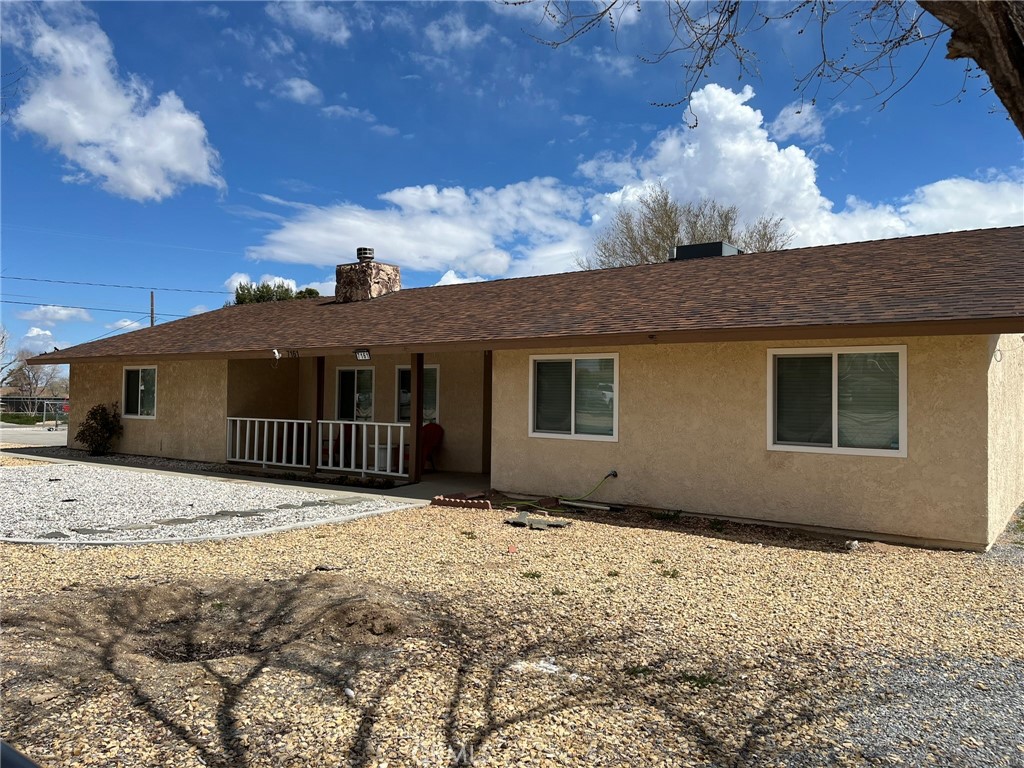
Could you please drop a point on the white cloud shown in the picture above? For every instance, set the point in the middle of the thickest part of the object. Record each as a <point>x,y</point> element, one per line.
<point>236,279</point>
<point>278,44</point>
<point>38,340</point>
<point>451,31</point>
<point>198,309</point>
<point>49,315</point>
<point>542,225</point>
<point>452,278</point>
<point>352,113</point>
<point>124,324</point>
<point>107,127</point>
<point>577,120</point>
<point>299,90</point>
<point>729,156</point>
<point>799,119</point>
<point>212,12</point>
<point>324,287</point>
<point>323,22</point>
<point>249,80</point>
<point>524,228</point>
<point>385,130</point>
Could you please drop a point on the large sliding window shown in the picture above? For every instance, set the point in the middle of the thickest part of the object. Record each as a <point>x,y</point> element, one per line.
<point>839,400</point>
<point>403,407</point>
<point>355,394</point>
<point>574,396</point>
<point>140,393</point>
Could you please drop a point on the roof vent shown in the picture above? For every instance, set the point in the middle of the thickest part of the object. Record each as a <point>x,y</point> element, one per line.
<point>364,254</point>
<point>703,251</point>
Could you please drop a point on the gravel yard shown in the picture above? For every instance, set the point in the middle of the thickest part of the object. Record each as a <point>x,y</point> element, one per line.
<point>444,637</point>
<point>88,503</point>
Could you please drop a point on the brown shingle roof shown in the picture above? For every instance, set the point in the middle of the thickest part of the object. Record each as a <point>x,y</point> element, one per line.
<point>974,278</point>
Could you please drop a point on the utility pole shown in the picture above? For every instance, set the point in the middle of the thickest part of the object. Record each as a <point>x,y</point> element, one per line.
<point>152,310</point>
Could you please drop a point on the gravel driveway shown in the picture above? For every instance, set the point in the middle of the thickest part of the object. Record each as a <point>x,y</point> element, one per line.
<point>77,503</point>
<point>412,638</point>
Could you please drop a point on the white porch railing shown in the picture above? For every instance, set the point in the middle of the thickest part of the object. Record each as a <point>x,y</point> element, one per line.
<point>363,446</point>
<point>269,442</point>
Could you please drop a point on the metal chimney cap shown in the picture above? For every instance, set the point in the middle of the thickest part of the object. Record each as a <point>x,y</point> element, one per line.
<point>364,254</point>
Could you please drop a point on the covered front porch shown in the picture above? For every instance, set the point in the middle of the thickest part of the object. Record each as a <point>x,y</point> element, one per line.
<point>391,415</point>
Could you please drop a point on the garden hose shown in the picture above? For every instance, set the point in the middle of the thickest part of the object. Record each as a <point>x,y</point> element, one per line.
<point>531,503</point>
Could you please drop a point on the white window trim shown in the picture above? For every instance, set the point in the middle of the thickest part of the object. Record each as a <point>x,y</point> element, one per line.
<point>614,436</point>
<point>124,403</point>
<point>901,453</point>
<point>398,391</point>
<point>337,387</point>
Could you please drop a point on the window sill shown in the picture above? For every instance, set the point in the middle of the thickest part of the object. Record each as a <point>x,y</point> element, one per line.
<point>892,454</point>
<point>133,416</point>
<point>589,438</point>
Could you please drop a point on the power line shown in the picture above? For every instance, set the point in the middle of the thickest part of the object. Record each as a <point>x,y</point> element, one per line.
<point>118,239</point>
<point>115,330</point>
<point>88,309</point>
<point>112,285</point>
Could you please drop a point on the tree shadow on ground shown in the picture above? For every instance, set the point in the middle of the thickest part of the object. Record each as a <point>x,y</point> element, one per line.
<point>191,661</point>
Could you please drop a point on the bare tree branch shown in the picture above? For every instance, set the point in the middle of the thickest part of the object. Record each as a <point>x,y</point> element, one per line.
<point>703,34</point>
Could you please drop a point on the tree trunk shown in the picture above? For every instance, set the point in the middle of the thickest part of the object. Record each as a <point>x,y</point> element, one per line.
<point>992,34</point>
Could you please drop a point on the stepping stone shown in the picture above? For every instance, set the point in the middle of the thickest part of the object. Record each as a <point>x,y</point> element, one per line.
<point>175,521</point>
<point>312,504</point>
<point>523,520</point>
<point>90,531</point>
<point>288,506</point>
<point>346,502</point>
<point>135,527</point>
<point>54,535</point>
<point>214,516</point>
<point>252,512</point>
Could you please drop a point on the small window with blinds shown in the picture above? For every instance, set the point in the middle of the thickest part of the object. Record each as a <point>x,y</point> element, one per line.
<point>849,400</point>
<point>574,396</point>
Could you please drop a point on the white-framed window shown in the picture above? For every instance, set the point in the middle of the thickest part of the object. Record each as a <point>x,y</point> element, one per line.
<point>403,393</point>
<point>139,392</point>
<point>574,396</point>
<point>850,400</point>
<point>355,394</point>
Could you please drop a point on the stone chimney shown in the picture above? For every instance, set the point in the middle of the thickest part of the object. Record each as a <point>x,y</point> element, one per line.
<point>366,279</point>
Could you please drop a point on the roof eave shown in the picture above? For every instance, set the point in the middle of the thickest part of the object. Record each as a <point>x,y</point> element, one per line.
<point>950,327</point>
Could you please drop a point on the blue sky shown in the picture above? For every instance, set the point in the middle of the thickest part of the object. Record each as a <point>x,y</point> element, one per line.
<point>190,145</point>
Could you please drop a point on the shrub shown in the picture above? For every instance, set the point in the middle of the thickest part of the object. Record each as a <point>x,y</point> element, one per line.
<point>100,428</point>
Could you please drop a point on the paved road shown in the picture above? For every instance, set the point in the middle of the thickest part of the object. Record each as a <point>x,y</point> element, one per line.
<point>15,433</point>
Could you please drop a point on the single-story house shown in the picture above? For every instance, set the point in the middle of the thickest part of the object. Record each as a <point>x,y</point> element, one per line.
<point>872,388</point>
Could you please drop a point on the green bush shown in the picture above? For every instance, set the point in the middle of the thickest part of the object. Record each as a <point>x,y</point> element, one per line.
<point>100,428</point>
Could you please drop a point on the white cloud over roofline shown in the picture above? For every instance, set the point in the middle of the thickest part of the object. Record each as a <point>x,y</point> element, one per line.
<point>542,225</point>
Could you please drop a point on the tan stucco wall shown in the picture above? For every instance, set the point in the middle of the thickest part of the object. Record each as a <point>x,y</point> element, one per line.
<point>265,389</point>
<point>460,410</point>
<point>191,407</point>
<point>1006,429</point>
<point>693,434</point>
